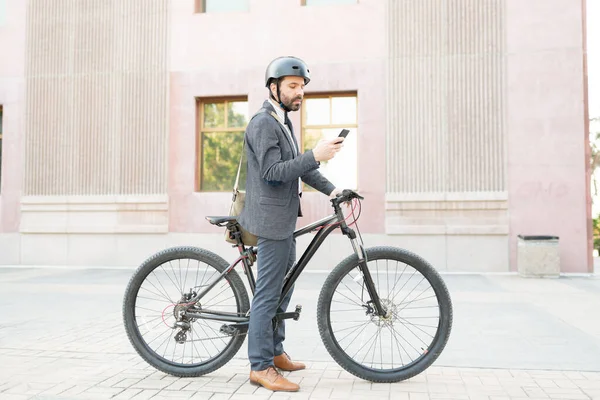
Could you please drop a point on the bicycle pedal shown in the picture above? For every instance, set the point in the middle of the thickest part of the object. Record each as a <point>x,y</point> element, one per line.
<point>297,312</point>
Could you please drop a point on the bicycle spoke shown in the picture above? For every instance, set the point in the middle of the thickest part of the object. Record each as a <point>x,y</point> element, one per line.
<point>201,342</point>
<point>154,319</point>
<point>410,330</point>
<point>225,287</point>
<point>393,334</point>
<point>351,291</point>
<point>177,285</point>
<point>168,276</point>
<point>166,293</point>
<point>414,300</point>
<point>207,306</point>
<point>350,299</point>
<point>413,289</point>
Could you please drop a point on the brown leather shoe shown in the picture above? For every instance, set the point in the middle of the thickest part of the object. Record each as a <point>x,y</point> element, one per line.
<point>284,362</point>
<point>271,379</point>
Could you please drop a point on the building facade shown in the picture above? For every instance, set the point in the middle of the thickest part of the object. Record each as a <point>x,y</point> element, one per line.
<point>122,123</point>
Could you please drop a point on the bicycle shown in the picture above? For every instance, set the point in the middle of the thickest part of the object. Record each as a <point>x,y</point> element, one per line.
<point>354,282</point>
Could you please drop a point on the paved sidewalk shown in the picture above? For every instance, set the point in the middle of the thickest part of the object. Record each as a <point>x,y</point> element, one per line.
<point>61,337</point>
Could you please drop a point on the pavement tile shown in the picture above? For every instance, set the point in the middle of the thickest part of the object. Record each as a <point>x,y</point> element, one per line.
<point>150,383</point>
<point>361,395</point>
<point>237,396</point>
<point>458,388</point>
<point>178,384</point>
<point>246,388</point>
<point>448,396</point>
<point>127,394</point>
<point>145,394</point>
<point>215,396</point>
<point>175,394</point>
<point>418,396</point>
<point>514,391</point>
<point>321,392</point>
<point>340,392</point>
<point>104,390</point>
<point>216,388</point>
<point>398,395</point>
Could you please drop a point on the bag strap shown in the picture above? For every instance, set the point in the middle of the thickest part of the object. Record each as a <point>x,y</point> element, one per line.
<point>237,178</point>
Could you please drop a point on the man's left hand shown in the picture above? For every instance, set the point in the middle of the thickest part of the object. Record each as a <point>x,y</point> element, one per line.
<point>335,192</point>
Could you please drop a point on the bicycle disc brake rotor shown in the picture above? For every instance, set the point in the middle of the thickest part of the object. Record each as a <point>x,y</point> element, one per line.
<point>391,314</point>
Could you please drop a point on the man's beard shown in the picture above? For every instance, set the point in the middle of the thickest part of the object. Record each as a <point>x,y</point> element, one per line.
<point>290,104</point>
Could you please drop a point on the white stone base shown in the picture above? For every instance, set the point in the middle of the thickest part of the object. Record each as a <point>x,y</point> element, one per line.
<point>453,253</point>
<point>538,258</point>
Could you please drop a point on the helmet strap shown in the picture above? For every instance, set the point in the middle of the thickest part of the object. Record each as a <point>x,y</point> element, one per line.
<point>285,108</point>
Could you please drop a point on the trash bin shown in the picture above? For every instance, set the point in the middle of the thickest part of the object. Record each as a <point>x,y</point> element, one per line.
<point>538,256</point>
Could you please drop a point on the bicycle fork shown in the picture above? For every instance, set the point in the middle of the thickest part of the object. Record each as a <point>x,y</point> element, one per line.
<point>359,249</point>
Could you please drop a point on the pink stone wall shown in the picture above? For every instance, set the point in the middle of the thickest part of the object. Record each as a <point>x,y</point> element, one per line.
<point>546,135</point>
<point>340,57</point>
<point>12,92</point>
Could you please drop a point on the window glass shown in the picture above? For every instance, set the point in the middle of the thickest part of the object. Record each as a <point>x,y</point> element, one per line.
<point>343,110</point>
<point>324,118</point>
<point>211,6</point>
<point>221,136</point>
<point>317,111</point>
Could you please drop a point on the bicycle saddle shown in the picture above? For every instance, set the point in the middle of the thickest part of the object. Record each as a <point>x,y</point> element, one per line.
<point>221,220</point>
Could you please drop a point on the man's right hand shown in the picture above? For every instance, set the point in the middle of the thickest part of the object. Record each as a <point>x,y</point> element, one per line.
<point>326,149</point>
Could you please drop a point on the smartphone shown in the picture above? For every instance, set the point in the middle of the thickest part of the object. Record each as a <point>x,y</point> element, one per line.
<point>344,133</point>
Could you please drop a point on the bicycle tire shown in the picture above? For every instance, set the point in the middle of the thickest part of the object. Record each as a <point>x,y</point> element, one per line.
<point>371,374</point>
<point>131,328</point>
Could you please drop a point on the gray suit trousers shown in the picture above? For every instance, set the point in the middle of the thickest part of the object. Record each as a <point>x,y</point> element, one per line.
<point>275,258</point>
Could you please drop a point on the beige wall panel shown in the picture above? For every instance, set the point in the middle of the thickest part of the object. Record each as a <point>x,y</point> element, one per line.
<point>445,96</point>
<point>97,89</point>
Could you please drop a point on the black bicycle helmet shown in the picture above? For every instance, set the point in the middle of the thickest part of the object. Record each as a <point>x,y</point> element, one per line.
<point>282,67</point>
<point>287,66</point>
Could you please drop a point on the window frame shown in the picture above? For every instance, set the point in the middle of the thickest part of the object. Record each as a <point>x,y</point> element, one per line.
<point>304,126</point>
<point>200,102</point>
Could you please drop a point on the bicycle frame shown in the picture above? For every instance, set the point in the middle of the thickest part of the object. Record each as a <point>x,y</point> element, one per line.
<point>324,226</point>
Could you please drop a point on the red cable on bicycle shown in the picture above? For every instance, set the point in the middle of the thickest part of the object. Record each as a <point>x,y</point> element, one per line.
<point>337,223</point>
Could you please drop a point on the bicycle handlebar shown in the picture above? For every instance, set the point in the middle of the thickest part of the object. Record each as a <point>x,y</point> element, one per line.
<point>346,195</point>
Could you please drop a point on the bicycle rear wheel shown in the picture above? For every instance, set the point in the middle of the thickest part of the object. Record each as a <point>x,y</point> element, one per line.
<point>158,292</point>
<point>392,348</point>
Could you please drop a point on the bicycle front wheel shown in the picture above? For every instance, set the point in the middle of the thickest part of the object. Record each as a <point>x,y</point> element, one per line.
<point>412,334</point>
<point>154,311</point>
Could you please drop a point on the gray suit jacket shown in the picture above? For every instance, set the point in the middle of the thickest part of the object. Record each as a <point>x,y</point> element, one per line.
<point>272,203</point>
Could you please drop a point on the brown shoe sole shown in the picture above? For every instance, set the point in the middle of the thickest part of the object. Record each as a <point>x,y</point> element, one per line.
<point>256,383</point>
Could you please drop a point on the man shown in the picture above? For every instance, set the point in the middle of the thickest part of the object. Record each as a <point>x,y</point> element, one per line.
<point>272,206</point>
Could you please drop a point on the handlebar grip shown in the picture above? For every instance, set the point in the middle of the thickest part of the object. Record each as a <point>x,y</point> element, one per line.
<point>347,195</point>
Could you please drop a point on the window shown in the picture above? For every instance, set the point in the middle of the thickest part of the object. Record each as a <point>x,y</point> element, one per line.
<point>222,123</point>
<point>327,2</point>
<point>211,6</point>
<point>323,117</point>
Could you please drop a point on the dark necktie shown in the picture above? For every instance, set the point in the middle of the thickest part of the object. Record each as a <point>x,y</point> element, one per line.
<point>289,125</point>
